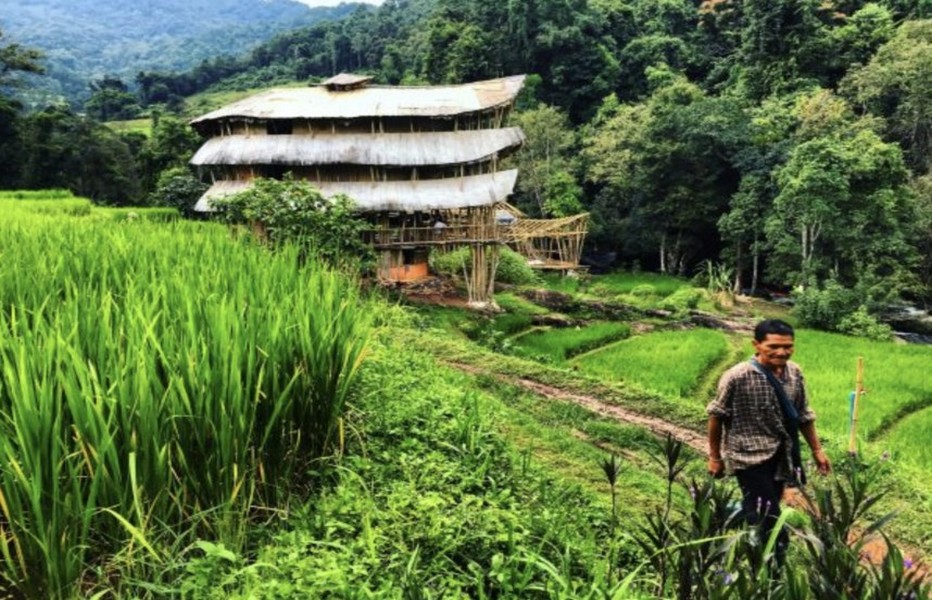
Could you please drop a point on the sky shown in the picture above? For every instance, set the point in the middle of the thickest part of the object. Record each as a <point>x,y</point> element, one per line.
<point>334,2</point>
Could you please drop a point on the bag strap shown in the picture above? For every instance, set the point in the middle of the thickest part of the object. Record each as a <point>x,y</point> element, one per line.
<point>790,419</point>
<point>790,414</point>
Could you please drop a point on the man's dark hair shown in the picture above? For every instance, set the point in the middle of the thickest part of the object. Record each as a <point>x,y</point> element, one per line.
<point>774,326</point>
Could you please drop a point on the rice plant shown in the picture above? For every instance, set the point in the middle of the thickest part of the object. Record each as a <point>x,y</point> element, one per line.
<point>156,378</point>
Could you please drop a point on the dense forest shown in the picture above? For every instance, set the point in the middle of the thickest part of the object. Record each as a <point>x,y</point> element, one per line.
<point>85,40</point>
<point>781,143</point>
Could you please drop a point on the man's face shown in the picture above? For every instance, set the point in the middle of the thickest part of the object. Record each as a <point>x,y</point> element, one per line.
<point>774,350</point>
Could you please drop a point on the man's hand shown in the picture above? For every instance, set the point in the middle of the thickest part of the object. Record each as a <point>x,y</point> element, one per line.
<point>822,462</point>
<point>716,467</point>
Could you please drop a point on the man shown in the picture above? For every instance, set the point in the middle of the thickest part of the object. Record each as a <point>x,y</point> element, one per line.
<point>759,407</point>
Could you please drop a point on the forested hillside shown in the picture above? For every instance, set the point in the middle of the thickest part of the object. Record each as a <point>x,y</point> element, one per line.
<point>775,144</point>
<point>88,39</point>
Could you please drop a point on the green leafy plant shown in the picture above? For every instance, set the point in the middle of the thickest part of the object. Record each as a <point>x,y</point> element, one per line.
<point>292,211</point>
<point>512,267</point>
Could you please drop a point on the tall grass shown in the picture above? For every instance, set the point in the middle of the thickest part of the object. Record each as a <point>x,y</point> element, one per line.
<point>156,378</point>
<point>669,362</point>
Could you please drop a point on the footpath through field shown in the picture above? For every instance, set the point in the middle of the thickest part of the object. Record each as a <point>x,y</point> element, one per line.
<point>655,425</point>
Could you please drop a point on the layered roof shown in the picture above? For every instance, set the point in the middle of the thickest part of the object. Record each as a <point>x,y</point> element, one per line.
<point>400,196</point>
<point>380,149</point>
<point>372,101</point>
<point>344,80</point>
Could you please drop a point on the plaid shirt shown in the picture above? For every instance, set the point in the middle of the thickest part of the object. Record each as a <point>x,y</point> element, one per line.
<point>750,410</point>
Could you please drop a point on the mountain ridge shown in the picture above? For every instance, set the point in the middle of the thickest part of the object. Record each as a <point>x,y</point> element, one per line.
<point>84,40</point>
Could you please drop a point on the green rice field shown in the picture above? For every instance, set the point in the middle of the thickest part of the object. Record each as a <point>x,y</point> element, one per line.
<point>669,362</point>
<point>896,377</point>
<point>908,441</point>
<point>558,345</point>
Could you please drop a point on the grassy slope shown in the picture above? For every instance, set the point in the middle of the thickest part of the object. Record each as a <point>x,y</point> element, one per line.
<point>820,355</point>
<point>455,486</point>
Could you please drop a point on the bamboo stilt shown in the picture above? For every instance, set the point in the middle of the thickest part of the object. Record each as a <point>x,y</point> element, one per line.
<point>858,392</point>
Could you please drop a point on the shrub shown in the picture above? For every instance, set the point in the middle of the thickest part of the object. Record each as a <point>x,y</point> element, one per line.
<point>682,300</point>
<point>860,323</point>
<point>824,308</point>
<point>837,308</point>
<point>512,267</point>
<point>292,211</point>
<point>179,189</point>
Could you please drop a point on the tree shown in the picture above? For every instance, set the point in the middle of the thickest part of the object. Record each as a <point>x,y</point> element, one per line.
<point>65,150</point>
<point>664,166</point>
<point>546,153</point>
<point>897,84</point>
<point>179,189</point>
<point>15,59</point>
<point>844,212</point>
<point>111,100</point>
<point>782,45</point>
<point>171,145</point>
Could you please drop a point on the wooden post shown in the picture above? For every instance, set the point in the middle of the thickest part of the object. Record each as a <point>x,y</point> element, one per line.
<point>858,392</point>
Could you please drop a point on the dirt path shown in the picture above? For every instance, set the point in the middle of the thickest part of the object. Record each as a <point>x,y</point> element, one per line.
<point>657,426</point>
<point>874,551</point>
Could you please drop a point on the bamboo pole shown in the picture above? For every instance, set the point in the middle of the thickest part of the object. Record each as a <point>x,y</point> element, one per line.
<point>858,392</point>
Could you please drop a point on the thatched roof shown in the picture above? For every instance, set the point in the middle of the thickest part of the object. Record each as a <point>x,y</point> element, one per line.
<point>400,196</point>
<point>373,101</point>
<point>379,149</point>
<point>344,80</point>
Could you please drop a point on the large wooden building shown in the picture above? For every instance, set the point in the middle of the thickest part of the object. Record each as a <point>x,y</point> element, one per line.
<point>421,163</point>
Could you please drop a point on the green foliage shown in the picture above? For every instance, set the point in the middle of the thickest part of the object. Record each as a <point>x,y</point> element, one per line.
<point>111,100</point>
<point>614,284</point>
<point>663,171</point>
<point>293,212</point>
<point>426,449</point>
<point>843,207</point>
<point>61,149</point>
<point>682,300</point>
<point>512,267</point>
<point>179,189</point>
<point>170,145</point>
<point>860,323</point>
<point>696,553</point>
<point>825,307</point>
<point>546,161</point>
<point>896,83</point>
<point>16,59</point>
